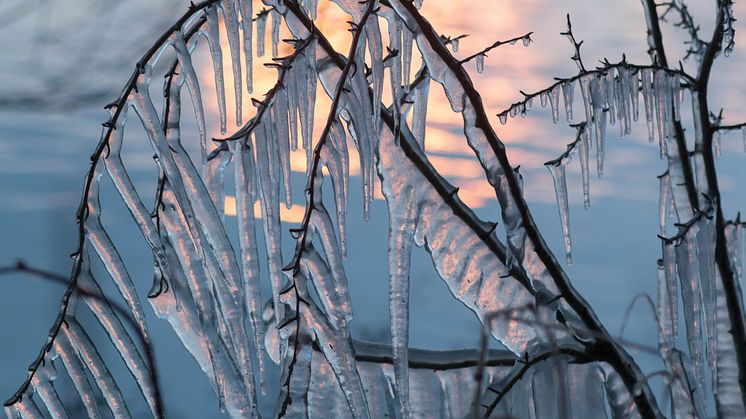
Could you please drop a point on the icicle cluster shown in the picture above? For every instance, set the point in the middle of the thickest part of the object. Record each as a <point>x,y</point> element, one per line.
<point>208,287</point>
<point>613,95</point>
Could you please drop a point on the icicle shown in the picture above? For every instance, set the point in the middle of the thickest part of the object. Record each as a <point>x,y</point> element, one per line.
<point>375,48</point>
<point>270,213</point>
<point>89,356</point>
<point>419,119</point>
<point>623,101</point>
<point>119,336</point>
<point>276,22</point>
<point>27,408</point>
<point>76,371</point>
<point>247,26</point>
<point>231,27</point>
<point>311,80</point>
<point>621,402</point>
<point>289,92</point>
<point>560,188</point>
<point>406,53</point>
<point>318,271</point>
<point>717,141</point>
<point>261,29</point>
<point>402,223</point>
<point>662,100</point>
<point>322,224</point>
<point>339,352</point>
<point>706,261</point>
<point>340,183</point>
<point>634,92</point>
<point>554,103</point>
<point>504,120</point>
<point>213,39</point>
<point>568,92</point>
<point>686,261</point>
<point>235,392</point>
<point>664,181</point>
<point>101,242</point>
<point>585,142</point>
<point>479,59</point>
<point>454,44</point>
<point>730,404</point>
<point>244,173</point>
<point>670,308</point>
<point>43,383</point>
<point>598,98</point>
<point>278,114</point>
<point>609,90</point>
<point>395,27</point>
<point>675,95</point>
<point>647,95</point>
<point>190,76</point>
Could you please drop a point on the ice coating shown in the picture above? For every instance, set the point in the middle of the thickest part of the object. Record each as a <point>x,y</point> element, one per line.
<point>247,27</point>
<point>213,39</point>
<point>402,223</point>
<point>43,384</point>
<point>89,356</point>
<point>230,17</point>
<point>688,267</point>
<point>728,397</point>
<point>76,370</point>
<point>261,31</point>
<point>119,337</point>
<point>560,190</point>
<point>244,174</point>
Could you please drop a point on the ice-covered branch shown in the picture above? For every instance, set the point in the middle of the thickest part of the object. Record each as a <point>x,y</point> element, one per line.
<point>552,92</point>
<point>575,44</point>
<point>480,55</point>
<point>683,228</point>
<point>82,212</point>
<point>557,169</point>
<point>124,312</point>
<point>464,98</point>
<point>500,389</point>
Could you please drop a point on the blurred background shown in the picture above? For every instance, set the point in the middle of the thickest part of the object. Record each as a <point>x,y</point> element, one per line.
<point>64,60</point>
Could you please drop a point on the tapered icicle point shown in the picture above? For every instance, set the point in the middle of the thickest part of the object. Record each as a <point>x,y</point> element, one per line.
<point>247,27</point>
<point>213,39</point>
<point>230,17</point>
<point>244,173</point>
<point>403,220</point>
<point>560,189</point>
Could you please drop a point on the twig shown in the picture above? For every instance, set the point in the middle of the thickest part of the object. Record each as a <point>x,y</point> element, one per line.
<point>21,267</point>
<point>82,212</point>
<point>576,57</point>
<point>607,349</point>
<point>294,266</point>
<point>522,105</point>
<point>525,38</point>
<point>580,130</point>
